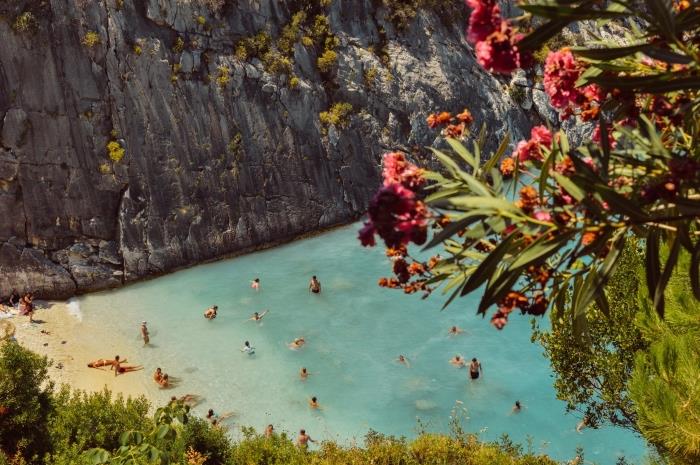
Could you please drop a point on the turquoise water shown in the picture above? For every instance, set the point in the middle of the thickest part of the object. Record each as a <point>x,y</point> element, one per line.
<point>354,332</point>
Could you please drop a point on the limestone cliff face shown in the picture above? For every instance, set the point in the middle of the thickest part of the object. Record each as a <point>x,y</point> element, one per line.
<point>220,155</point>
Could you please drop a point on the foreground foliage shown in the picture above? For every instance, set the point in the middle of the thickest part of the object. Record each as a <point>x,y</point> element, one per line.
<point>38,426</point>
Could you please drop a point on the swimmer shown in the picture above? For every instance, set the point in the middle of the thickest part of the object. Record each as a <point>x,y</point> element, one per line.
<point>247,348</point>
<point>517,407</point>
<point>315,285</point>
<point>214,418</point>
<point>158,375</point>
<point>313,403</point>
<point>164,381</point>
<point>269,431</point>
<point>145,334</point>
<point>257,316</point>
<point>403,360</point>
<point>475,369</point>
<point>297,343</point>
<point>582,424</point>
<point>255,284</point>
<point>303,439</point>
<point>458,361</point>
<point>303,374</point>
<point>455,330</point>
<point>210,313</point>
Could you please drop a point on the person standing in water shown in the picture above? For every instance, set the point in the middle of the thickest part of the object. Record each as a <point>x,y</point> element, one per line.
<point>303,373</point>
<point>210,313</point>
<point>475,369</point>
<point>269,431</point>
<point>248,349</point>
<point>403,360</point>
<point>517,407</point>
<point>303,439</point>
<point>315,285</point>
<point>455,330</point>
<point>145,334</point>
<point>255,284</point>
<point>313,403</point>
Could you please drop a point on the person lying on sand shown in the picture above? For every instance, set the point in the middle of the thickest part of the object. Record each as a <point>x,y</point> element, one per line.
<point>258,316</point>
<point>458,361</point>
<point>403,360</point>
<point>210,313</point>
<point>103,362</point>
<point>297,343</point>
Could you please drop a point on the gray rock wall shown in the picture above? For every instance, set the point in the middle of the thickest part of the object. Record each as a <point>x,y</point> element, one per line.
<point>208,170</point>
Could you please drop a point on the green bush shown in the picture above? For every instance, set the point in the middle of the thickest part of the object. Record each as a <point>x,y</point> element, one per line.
<point>25,22</point>
<point>254,46</point>
<point>25,398</point>
<point>276,63</point>
<point>337,115</point>
<point>326,62</point>
<point>91,39</point>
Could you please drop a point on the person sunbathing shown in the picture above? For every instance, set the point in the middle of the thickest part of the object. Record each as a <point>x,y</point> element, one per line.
<point>103,362</point>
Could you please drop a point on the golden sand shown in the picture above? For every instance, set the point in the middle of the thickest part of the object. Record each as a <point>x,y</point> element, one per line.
<point>71,344</point>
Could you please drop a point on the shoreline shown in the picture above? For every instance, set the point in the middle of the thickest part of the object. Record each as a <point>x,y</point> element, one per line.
<point>60,334</point>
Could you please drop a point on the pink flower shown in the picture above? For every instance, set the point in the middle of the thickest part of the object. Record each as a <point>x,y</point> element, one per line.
<point>542,215</point>
<point>527,150</point>
<point>397,216</point>
<point>541,135</point>
<point>397,170</point>
<point>485,18</point>
<point>366,235</point>
<point>561,71</point>
<point>498,52</point>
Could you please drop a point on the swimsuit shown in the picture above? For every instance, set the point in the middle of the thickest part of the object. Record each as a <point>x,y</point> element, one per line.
<point>474,374</point>
<point>315,290</point>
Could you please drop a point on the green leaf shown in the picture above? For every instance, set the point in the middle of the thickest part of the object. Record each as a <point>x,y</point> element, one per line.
<point>483,203</point>
<point>694,271</point>
<point>542,34</point>
<point>496,290</point>
<point>488,266</point>
<point>569,186</point>
<point>456,281</point>
<point>661,11</point>
<point>540,250</point>
<point>462,151</point>
<point>453,228</point>
<point>659,303</point>
<point>491,163</point>
<point>653,266</point>
<point>97,456</point>
<point>609,53</point>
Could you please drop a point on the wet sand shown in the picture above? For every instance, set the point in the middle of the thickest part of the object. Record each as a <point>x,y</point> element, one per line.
<point>71,344</point>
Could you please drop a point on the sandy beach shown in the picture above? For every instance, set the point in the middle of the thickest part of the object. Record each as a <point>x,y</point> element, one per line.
<point>61,335</point>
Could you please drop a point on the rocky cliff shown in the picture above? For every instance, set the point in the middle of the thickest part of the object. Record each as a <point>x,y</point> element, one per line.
<point>138,136</point>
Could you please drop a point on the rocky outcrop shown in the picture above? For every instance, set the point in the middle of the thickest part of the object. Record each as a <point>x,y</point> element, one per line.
<point>209,154</point>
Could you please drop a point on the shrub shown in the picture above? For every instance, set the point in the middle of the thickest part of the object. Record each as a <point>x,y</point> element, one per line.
<point>234,144</point>
<point>290,32</point>
<point>254,46</point>
<point>90,39</point>
<point>138,50</point>
<point>25,399</point>
<point>326,61</point>
<point>201,20</point>
<point>294,82</point>
<point>224,76</point>
<point>307,41</point>
<point>179,45</point>
<point>337,115</point>
<point>105,168</point>
<point>115,151</point>
<point>276,63</point>
<point>370,76</point>
<point>25,22</point>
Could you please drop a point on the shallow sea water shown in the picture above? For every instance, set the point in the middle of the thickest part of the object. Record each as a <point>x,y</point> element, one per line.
<point>354,332</point>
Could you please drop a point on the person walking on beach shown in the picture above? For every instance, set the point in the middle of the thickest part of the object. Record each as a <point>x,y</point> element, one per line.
<point>315,285</point>
<point>145,334</point>
<point>475,369</point>
<point>26,306</point>
<point>303,439</point>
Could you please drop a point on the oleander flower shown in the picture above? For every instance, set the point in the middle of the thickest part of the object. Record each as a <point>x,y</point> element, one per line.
<point>398,170</point>
<point>541,135</point>
<point>498,53</point>
<point>397,216</point>
<point>484,19</point>
<point>507,167</point>
<point>465,117</point>
<point>561,71</point>
<point>438,119</point>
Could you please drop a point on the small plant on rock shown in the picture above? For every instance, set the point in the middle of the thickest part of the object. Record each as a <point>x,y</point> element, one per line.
<point>327,61</point>
<point>25,22</point>
<point>337,115</point>
<point>224,76</point>
<point>115,151</point>
<point>91,39</point>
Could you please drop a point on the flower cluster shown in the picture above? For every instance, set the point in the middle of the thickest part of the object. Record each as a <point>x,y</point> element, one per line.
<point>495,40</point>
<point>531,149</point>
<point>561,72</point>
<point>396,213</point>
<point>453,126</point>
